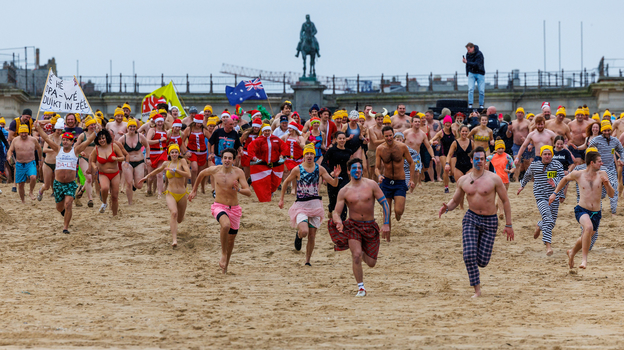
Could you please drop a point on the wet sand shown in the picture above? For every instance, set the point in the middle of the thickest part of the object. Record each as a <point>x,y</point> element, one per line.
<point>117,283</point>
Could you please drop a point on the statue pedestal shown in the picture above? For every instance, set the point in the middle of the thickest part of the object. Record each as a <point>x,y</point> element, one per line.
<point>308,91</point>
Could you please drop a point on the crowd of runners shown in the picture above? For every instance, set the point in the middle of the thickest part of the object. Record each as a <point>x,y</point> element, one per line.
<point>360,156</point>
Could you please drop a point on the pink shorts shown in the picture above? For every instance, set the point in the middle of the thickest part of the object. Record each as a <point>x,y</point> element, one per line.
<point>234,213</point>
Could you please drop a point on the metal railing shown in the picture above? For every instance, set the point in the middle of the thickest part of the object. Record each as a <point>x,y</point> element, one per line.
<point>404,83</point>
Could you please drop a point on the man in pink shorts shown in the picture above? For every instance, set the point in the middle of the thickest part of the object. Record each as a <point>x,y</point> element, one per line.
<point>229,182</point>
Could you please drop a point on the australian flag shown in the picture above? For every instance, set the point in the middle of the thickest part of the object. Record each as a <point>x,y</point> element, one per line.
<point>245,90</point>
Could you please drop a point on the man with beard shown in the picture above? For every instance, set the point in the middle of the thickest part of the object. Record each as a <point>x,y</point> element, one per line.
<point>118,128</point>
<point>400,121</point>
<point>539,137</point>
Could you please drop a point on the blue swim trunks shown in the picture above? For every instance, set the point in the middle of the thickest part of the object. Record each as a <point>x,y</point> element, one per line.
<point>392,188</point>
<point>525,155</point>
<point>594,216</point>
<point>25,170</point>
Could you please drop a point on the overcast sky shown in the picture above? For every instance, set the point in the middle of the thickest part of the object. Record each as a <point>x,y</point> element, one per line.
<point>365,37</point>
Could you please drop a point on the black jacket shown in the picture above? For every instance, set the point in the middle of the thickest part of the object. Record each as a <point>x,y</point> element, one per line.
<point>475,64</point>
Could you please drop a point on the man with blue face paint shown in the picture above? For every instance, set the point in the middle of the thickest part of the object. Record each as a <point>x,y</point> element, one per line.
<point>359,233</point>
<point>480,222</point>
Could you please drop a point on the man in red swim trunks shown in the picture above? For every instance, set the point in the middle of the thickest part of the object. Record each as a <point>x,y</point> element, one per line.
<point>359,233</point>
<point>229,182</point>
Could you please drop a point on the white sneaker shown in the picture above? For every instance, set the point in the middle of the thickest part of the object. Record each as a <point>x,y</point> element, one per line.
<point>102,208</point>
<point>361,293</point>
<point>0,191</point>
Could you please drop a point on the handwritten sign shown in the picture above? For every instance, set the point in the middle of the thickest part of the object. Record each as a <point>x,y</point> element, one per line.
<point>63,96</point>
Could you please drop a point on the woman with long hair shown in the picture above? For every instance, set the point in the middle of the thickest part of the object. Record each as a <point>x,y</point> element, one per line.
<point>482,135</point>
<point>105,160</point>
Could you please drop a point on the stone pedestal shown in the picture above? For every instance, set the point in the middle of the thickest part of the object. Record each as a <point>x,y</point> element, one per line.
<point>308,91</point>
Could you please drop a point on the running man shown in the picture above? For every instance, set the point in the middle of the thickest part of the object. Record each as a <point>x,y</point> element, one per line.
<point>539,137</point>
<point>519,129</point>
<point>65,173</point>
<point>546,176</point>
<point>359,233</point>
<point>307,213</point>
<point>480,222</point>
<point>392,183</point>
<point>607,146</point>
<point>229,182</point>
<point>587,212</point>
<point>25,147</point>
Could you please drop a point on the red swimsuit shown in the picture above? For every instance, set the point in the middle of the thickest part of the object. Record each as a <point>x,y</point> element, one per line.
<point>101,160</point>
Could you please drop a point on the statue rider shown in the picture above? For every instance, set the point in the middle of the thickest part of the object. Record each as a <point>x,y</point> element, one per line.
<point>308,31</point>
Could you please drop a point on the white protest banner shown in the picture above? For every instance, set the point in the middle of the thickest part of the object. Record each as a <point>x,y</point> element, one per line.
<point>63,96</point>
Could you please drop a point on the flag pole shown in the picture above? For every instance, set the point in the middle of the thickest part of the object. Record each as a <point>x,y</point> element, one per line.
<point>178,93</point>
<point>85,97</point>
<point>43,93</point>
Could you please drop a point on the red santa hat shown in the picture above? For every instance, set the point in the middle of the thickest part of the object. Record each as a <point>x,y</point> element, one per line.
<point>226,114</point>
<point>177,123</point>
<point>198,118</point>
<point>255,113</point>
<point>293,125</point>
<point>257,123</point>
<point>545,104</point>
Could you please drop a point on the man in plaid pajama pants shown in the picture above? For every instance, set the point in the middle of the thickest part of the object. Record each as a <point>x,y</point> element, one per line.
<point>480,222</point>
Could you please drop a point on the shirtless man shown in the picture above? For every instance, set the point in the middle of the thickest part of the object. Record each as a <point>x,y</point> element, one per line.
<point>117,128</point>
<point>24,147</point>
<point>400,122</point>
<point>520,129</point>
<point>577,134</point>
<point>229,182</point>
<point>480,222</point>
<point>370,117</point>
<point>545,111</point>
<point>588,212</point>
<point>432,127</point>
<point>558,125</point>
<point>390,156</point>
<point>65,174</point>
<point>415,137</point>
<point>539,137</point>
<point>376,139</point>
<point>359,233</point>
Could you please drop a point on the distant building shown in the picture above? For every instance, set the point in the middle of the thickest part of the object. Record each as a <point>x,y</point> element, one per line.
<point>31,80</point>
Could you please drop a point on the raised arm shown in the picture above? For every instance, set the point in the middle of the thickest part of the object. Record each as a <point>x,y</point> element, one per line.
<point>332,178</point>
<point>53,145</point>
<point>83,145</point>
<point>381,198</point>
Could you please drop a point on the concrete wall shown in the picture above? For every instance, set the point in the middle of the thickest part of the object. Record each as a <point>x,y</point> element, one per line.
<point>608,93</point>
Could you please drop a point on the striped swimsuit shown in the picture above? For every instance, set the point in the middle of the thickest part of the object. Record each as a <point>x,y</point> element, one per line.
<point>607,149</point>
<point>542,190</point>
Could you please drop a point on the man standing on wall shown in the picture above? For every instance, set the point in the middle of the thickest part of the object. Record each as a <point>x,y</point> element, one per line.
<point>475,70</point>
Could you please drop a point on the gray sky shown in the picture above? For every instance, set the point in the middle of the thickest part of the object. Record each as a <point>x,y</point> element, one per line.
<point>365,37</point>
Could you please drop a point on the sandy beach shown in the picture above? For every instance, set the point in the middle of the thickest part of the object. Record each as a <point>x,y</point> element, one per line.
<point>117,283</point>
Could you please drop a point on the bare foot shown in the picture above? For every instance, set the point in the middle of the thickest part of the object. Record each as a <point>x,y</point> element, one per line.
<point>174,244</point>
<point>32,196</point>
<point>570,260</point>
<point>549,251</point>
<point>223,264</point>
<point>583,264</point>
<point>159,196</point>
<point>537,232</point>
<point>477,294</point>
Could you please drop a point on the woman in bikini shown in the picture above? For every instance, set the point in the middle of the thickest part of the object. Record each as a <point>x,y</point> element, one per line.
<point>446,138</point>
<point>482,135</point>
<point>105,160</point>
<point>177,172</point>
<point>134,167</point>
<point>91,125</point>
<point>49,161</point>
<point>317,137</point>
